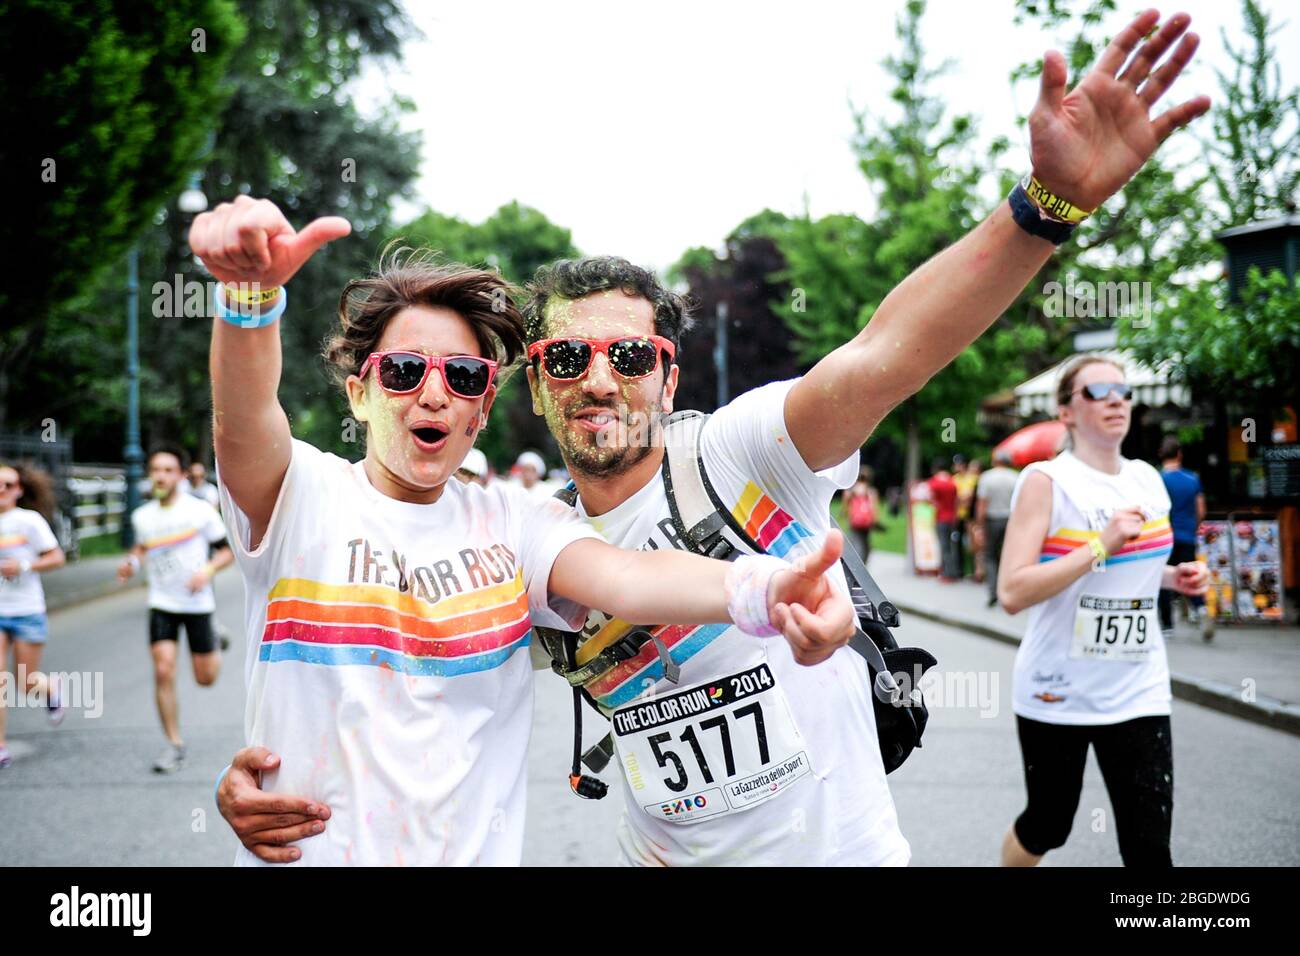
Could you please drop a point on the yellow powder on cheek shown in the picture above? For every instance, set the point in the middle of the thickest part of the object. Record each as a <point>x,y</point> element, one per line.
<point>385,417</point>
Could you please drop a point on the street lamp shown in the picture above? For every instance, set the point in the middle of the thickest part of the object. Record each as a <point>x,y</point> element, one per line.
<point>133,454</point>
<point>720,363</point>
<point>192,201</point>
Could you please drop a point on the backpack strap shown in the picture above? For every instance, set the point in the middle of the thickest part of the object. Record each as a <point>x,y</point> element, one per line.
<point>702,519</point>
<point>698,516</point>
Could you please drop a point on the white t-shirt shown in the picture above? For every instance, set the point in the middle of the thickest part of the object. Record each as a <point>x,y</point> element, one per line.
<point>176,539</point>
<point>24,535</point>
<point>384,659</point>
<point>810,788</point>
<point>206,491</point>
<point>1093,654</point>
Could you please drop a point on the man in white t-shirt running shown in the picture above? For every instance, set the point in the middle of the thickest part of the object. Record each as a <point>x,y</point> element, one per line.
<point>181,542</point>
<point>778,454</point>
<point>196,483</point>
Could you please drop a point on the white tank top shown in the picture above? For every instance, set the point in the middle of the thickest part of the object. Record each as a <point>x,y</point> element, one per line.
<point>1093,654</point>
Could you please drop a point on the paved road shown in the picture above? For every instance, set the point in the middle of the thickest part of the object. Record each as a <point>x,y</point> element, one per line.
<point>83,793</point>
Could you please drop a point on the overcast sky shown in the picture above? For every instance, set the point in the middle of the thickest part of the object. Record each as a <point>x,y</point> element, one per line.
<point>648,129</point>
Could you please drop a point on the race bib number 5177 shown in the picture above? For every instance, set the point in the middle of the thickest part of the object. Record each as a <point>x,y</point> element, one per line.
<point>712,749</point>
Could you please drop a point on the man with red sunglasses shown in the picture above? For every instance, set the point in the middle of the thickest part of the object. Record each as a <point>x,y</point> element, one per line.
<point>603,337</point>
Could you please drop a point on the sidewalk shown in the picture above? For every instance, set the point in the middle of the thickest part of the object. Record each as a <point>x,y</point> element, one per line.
<point>1250,671</point>
<point>79,581</point>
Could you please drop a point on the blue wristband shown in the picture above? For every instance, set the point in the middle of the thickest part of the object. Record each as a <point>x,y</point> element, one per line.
<point>1030,218</point>
<point>250,321</point>
<point>220,777</point>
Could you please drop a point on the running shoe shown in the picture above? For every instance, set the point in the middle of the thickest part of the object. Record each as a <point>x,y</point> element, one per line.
<point>5,759</point>
<point>1207,623</point>
<point>1167,633</point>
<point>170,760</point>
<point>223,637</point>
<point>55,704</point>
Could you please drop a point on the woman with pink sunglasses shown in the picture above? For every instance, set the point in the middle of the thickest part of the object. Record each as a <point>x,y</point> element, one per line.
<point>389,608</point>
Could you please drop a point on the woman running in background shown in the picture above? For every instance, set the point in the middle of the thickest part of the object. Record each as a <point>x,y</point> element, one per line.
<point>1085,552</point>
<point>27,547</point>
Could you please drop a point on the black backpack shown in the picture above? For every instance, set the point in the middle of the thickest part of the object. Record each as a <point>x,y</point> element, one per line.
<point>706,526</point>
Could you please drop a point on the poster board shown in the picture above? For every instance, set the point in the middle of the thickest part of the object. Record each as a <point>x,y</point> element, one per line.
<point>1244,556</point>
<point>1257,561</point>
<point>922,533</point>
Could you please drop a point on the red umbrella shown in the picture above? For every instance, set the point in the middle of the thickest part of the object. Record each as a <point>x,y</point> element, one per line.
<point>1033,443</point>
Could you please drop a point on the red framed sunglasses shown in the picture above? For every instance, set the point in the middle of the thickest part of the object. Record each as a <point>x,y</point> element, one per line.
<point>634,356</point>
<point>401,372</point>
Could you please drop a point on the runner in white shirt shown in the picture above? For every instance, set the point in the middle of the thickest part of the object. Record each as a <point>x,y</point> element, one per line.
<point>1086,547</point>
<point>27,549</point>
<point>388,606</point>
<point>181,542</point>
<point>197,484</point>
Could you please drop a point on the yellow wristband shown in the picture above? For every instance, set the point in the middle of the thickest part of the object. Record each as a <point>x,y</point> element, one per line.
<point>1098,549</point>
<point>1062,210</point>
<point>244,294</point>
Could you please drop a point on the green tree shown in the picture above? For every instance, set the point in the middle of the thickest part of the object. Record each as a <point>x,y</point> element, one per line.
<point>741,276</point>
<point>289,132</point>
<point>1244,347</point>
<point>1254,152</point>
<point>925,171</point>
<point>105,117</point>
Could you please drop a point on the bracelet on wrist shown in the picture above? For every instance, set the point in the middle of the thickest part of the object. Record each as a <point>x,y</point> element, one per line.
<point>254,318</point>
<point>249,293</point>
<point>1053,206</point>
<point>1099,551</point>
<point>1031,218</point>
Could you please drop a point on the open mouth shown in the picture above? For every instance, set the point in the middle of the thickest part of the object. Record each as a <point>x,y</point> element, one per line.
<point>429,437</point>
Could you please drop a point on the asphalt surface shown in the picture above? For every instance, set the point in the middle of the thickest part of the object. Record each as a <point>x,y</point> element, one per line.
<point>83,793</point>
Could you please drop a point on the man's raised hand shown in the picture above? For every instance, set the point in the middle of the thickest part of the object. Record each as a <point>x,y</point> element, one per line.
<point>1086,144</point>
<point>250,241</point>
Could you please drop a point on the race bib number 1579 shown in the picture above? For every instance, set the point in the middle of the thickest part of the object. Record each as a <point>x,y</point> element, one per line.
<point>711,749</point>
<point>1115,629</point>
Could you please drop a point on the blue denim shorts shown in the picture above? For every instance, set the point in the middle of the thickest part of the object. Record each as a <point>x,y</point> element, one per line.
<point>32,628</point>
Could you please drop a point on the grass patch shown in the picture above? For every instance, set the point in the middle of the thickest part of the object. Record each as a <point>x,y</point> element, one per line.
<point>894,536</point>
<point>100,545</point>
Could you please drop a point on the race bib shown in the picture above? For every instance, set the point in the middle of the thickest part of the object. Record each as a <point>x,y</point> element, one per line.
<point>712,749</point>
<point>1115,628</point>
<point>164,566</point>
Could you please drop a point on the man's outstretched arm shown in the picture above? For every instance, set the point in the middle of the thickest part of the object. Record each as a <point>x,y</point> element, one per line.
<point>1084,146</point>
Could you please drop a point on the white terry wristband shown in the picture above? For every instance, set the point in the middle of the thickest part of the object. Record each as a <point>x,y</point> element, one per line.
<point>746,586</point>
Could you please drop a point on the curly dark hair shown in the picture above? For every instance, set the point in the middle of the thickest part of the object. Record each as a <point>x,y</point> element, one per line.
<point>406,277</point>
<point>38,488</point>
<point>575,278</point>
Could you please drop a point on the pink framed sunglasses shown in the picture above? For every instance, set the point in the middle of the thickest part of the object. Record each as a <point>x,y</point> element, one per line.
<point>401,372</point>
